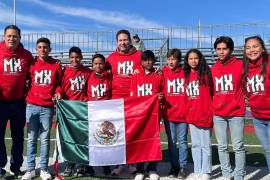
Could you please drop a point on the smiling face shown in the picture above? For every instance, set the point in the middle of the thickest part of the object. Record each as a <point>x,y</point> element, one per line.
<point>193,60</point>
<point>12,38</point>
<point>223,52</point>
<point>123,43</point>
<point>43,50</point>
<point>98,65</point>
<point>253,50</point>
<point>75,59</point>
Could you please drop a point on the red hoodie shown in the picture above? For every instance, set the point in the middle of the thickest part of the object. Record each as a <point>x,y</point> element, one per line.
<point>99,86</point>
<point>199,103</point>
<point>258,90</point>
<point>174,92</point>
<point>146,84</point>
<point>122,67</point>
<point>74,83</point>
<point>45,80</point>
<point>14,67</point>
<point>228,100</point>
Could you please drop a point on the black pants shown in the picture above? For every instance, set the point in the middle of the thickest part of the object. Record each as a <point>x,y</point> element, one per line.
<point>152,166</point>
<point>15,112</point>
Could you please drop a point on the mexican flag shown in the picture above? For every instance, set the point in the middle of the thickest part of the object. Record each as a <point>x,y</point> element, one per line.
<point>109,132</point>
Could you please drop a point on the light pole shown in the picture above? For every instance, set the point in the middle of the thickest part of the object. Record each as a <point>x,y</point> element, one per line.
<point>14,12</point>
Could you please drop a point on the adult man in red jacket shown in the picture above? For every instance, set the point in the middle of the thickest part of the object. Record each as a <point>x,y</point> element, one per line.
<point>14,66</point>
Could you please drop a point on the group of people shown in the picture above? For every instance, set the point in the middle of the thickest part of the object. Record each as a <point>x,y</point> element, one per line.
<point>190,94</point>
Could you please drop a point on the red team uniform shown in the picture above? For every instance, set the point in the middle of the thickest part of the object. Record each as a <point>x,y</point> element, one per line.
<point>99,86</point>
<point>228,100</point>
<point>45,81</point>
<point>74,83</point>
<point>174,92</point>
<point>122,67</point>
<point>258,90</point>
<point>199,103</point>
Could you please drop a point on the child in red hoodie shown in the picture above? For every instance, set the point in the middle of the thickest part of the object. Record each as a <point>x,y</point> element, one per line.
<point>146,83</point>
<point>257,82</point>
<point>199,111</point>
<point>174,114</point>
<point>99,83</point>
<point>45,80</point>
<point>74,87</point>
<point>229,107</point>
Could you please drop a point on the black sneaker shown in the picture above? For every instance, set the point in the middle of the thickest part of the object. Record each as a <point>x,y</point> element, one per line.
<point>16,174</point>
<point>173,173</point>
<point>83,171</point>
<point>106,170</point>
<point>68,170</point>
<point>182,173</point>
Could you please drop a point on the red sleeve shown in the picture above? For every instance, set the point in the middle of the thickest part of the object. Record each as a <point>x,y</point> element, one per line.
<point>59,79</point>
<point>133,86</point>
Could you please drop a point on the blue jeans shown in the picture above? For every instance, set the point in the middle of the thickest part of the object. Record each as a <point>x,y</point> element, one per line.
<point>201,149</point>
<point>236,125</point>
<point>177,132</point>
<point>262,129</point>
<point>39,119</point>
<point>14,111</point>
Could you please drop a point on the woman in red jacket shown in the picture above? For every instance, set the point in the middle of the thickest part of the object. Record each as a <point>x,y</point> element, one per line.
<point>199,111</point>
<point>257,83</point>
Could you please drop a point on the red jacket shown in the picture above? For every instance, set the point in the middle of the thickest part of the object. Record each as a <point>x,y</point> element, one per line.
<point>74,83</point>
<point>45,80</point>
<point>122,67</point>
<point>143,84</point>
<point>258,90</point>
<point>174,92</point>
<point>199,103</point>
<point>99,86</point>
<point>228,100</point>
<point>14,67</point>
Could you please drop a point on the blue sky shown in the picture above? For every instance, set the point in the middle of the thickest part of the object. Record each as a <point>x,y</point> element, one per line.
<point>85,15</point>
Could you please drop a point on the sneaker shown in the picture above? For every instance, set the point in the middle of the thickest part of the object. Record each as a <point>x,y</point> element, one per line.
<point>45,175</point>
<point>205,177</point>
<point>68,170</point>
<point>117,171</point>
<point>106,170</point>
<point>153,175</point>
<point>173,173</point>
<point>132,169</point>
<point>85,171</point>
<point>17,174</point>
<point>29,175</point>
<point>139,176</point>
<point>194,176</point>
<point>182,173</point>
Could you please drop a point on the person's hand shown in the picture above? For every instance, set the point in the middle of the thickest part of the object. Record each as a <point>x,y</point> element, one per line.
<point>57,96</point>
<point>136,71</point>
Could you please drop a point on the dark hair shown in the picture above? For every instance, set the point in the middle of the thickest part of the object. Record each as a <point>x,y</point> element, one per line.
<point>98,56</point>
<point>13,27</point>
<point>75,50</point>
<point>204,72</point>
<point>44,40</point>
<point>246,60</point>
<point>123,31</point>
<point>176,53</point>
<point>147,54</point>
<point>225,39</point>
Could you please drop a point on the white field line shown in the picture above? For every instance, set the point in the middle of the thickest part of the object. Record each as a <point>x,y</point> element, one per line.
<point>246,145</point>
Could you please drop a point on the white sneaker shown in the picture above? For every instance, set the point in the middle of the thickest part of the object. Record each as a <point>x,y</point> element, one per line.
<point>194,176</point>
<point>117,171</point>
<point>153,175</point>
<point>139,176</point>
<point>45,175</point>
<point>205,177</point>
<point>29,175</point>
